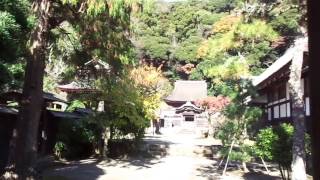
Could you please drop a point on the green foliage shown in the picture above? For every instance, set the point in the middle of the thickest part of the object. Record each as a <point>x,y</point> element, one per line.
<point>287,23</point>
<point>226,132</point>
<point>124,111</point>
<point>187,50</point>
<point>264,143</point>
<point>75,104</point>
<point>8,26</point>
<point>239,120</point>
<point>76,138</point>
<point>156,47</point>
<point>234,37</point>
<point>15,24</point>
<point>189,30</point>
<point>242,154</point>
<point>256,31</point>
<point>224,5</point>
<point>59,149</point>
<point>284,144</point>
<point>275,144</point>
<point>173,32</point>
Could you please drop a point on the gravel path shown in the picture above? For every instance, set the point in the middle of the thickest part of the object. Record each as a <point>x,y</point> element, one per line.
<point>186,159</point>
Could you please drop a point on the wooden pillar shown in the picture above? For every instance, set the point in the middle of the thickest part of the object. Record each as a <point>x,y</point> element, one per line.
<point>314,52</point>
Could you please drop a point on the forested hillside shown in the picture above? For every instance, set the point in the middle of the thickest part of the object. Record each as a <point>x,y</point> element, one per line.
<point>187,39</point>
<point>215,40</point>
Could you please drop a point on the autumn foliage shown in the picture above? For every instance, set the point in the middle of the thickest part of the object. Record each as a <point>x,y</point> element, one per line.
<point>213,104</point>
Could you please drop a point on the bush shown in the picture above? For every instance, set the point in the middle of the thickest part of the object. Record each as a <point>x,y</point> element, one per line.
<point>275,144</point>
<point>75,139</point>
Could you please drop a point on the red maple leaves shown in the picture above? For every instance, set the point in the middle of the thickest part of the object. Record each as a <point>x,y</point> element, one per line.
<point>213,104</point>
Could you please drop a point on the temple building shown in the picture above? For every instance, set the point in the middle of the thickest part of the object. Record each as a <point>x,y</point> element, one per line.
<point>273,89</point>
<point>85,77</point>
<point>180,110</point>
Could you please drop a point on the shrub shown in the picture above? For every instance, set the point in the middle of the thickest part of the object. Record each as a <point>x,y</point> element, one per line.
<point>275,144</point>
<point>75,139</point>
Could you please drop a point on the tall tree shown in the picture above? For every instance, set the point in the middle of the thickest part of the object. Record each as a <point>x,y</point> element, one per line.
<point>24,145</point>
<point>25,137</point>
<point>296,94</point>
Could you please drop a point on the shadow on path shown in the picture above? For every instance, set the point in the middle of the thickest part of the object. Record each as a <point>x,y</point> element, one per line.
<point>211,172</point>
<point>138,163</point>
<point>76,170</point>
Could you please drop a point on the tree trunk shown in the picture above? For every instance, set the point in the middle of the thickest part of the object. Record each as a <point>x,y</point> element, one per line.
<point>24,152</point>
<point>296,94</point>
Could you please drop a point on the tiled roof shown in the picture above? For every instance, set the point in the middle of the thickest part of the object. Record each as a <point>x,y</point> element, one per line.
<point>76,86</point>
<point>17,95</point>
<point>188,106</point>
<point>68,115</point>
<point>8,110</point>
<point>99,62</point>
<point>188,91</point>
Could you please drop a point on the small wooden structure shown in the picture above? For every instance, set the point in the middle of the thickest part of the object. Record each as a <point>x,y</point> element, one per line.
<point>85,78</point>
<point>84,82</point>
<point>48,125</point>
<point>8,117</point>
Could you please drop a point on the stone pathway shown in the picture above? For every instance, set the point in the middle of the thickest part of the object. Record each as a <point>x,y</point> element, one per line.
<point>187,157</point>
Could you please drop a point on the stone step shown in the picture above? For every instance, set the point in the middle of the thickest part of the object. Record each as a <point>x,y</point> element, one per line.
<point>183,150</point>
<point>187,131</point>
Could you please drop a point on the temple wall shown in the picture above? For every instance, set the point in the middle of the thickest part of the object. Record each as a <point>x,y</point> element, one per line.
<point>171,119</point>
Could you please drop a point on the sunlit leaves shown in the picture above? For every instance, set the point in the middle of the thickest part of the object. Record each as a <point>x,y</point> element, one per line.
<point>226,24</point>
<point>173,32</point>
<point>218,45</point>
<point>256,31</point>
<point>152,86</point>
<point>233,68</point>
<point>8,26</point>
<point>124,107</point>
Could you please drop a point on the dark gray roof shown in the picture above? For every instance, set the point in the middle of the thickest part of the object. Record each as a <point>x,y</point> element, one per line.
<point>83,111</point>
<point>188,91</point>
<point>98,64</point>
<point>51,97</point>
<point>77,86</point>
<point>8,110</point>
<point>68,115</point>
<point>17,95</point>
<point>188,106</point>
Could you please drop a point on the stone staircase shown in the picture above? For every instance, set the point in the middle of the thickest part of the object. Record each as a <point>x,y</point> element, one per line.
<point>187,131</point>
<point>189,150</point>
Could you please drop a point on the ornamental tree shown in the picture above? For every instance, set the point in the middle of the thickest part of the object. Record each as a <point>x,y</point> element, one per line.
<point>213,104</point>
